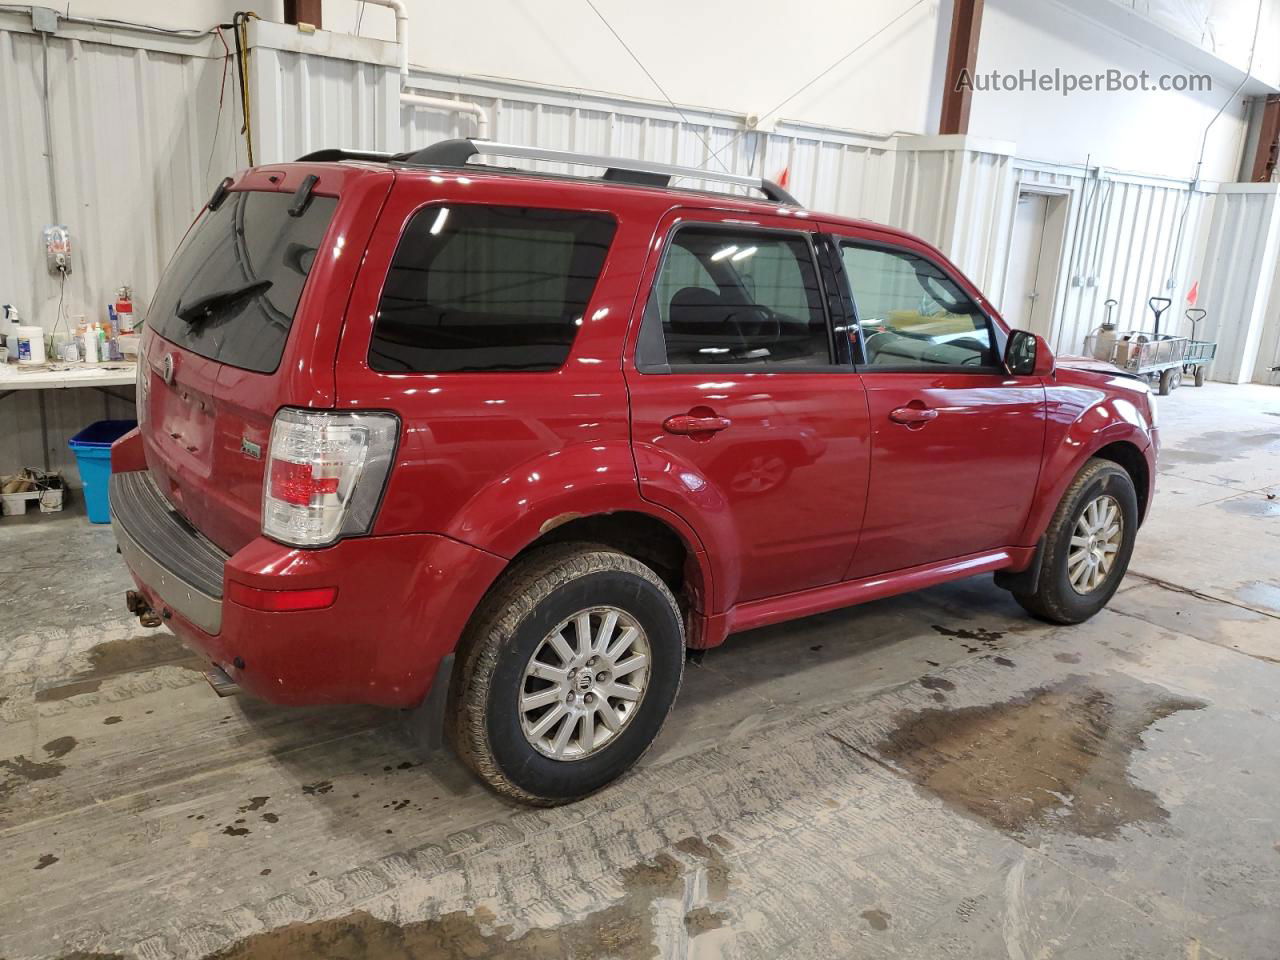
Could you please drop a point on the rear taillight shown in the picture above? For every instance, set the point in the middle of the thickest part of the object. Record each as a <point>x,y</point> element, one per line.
<point>325,474</point>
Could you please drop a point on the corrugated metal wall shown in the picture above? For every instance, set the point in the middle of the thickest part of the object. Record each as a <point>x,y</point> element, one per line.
<point>1240,259</point>
<point>1267,369</point>
<point>827,169</point>
<point>133,132</point>
<point>1120,244</point>
<point>303,100</point>
<point>958,195</point>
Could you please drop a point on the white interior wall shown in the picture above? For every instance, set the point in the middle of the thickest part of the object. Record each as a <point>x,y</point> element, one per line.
<point>1149,132</point>
<point>135,156</point>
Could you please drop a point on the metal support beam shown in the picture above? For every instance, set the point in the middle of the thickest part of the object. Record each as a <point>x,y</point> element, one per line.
<point>1268,155</point>
<point>303,11</point>
<point>962,59</point>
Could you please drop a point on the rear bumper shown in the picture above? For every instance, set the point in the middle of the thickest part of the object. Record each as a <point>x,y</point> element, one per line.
<point>402,603</point>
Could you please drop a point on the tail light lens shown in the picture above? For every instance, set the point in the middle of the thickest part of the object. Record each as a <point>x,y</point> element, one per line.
<point>325,474</point>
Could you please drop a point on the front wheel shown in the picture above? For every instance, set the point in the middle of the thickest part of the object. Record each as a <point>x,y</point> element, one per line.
<point>567,674</point>
<point>1087,546</point>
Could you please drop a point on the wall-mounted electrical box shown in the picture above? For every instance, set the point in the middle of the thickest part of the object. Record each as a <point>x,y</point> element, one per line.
<point>57,248</point>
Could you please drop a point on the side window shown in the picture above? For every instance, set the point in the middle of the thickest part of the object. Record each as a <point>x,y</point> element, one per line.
<point>741,299</point>
<point>479,288</point>
<point>911,314</point>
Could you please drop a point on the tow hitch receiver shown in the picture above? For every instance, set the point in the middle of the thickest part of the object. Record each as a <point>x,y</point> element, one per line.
<point>138,606</point>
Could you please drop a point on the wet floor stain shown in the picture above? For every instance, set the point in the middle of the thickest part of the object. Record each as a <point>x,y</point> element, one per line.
<point>877,920</point>
<point>254,803</point>
<point>700,920</point>
<point>111,721</point>
<point>624,930</point>
<point>1004,661</point>
<point>716,867</point>
<point>1253,507</point>
<point>233,831</point>
<point>46,860</point>
<point>117,657</point>
<point>20,770</point>
<point>937,683</point>
<point>1259,593</point>
<point>1218,446</point>
<point>1067,657</point>
<point>979,634</point>
<point>60,747</point>
<point>1056,757</point>
<point>315,789</point>
<point>271,817</point>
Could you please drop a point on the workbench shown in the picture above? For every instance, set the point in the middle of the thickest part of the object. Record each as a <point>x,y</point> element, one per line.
<point>67,376</point>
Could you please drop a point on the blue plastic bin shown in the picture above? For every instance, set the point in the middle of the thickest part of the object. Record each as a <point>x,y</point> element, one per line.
<point>92,447</point>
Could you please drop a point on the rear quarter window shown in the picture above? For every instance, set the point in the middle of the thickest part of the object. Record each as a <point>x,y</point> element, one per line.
<point>252,244</point>
<point>486,288</point>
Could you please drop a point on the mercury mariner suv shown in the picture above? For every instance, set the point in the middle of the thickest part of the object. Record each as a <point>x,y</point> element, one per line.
<point>427,433</point>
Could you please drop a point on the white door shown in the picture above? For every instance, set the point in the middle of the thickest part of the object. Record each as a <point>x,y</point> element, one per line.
<point>1025,306</point>
<point>1035,256</point>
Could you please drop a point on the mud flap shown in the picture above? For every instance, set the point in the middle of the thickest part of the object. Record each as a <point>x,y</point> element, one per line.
<point>1023,581</point>
<point>426,721</point>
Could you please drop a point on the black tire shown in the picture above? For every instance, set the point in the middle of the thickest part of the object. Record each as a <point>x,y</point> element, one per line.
<point>1200,375</point>
<point>1166,383</point>
<point>551,586</point>
<point>1054,598</point>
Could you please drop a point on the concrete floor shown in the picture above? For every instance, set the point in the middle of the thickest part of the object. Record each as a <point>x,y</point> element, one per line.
<point>934,775</point>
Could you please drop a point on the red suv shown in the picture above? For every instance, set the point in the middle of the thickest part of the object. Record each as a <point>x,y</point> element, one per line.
<point>413,425</point>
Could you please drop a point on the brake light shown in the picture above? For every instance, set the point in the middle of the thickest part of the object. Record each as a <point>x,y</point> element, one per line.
<point>325,474</point>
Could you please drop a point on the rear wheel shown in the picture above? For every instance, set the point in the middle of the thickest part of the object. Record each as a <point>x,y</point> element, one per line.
<point>567,674</point>
<point>1200,375</point>
<point>1169,381</point>
<point>1087,546</point>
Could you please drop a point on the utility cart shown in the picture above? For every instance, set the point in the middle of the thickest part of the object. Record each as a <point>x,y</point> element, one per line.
<point>1159,357</point>
<point>1200,353</point>
<point>1155,356</point>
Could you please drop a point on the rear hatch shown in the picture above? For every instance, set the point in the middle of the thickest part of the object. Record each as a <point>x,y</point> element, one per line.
<point>246,320</point>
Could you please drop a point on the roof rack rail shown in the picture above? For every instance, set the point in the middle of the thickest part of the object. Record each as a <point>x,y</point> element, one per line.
<point>334,154</point>
<point>456,153</point>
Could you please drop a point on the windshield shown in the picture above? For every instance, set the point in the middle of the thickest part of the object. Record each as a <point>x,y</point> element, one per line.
<point>230,292</point>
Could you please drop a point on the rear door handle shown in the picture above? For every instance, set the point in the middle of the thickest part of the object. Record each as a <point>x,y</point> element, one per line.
<point>687,425</point>
<point>913,416</point>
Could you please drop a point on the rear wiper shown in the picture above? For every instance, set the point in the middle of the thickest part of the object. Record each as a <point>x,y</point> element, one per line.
<point>205,308</point>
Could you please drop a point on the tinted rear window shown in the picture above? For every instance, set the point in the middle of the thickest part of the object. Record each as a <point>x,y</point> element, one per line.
<point>474,288</point>
<point>249,240</point>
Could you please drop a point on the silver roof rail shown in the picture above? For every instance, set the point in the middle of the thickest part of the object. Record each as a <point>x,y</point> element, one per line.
<point>456,153</point>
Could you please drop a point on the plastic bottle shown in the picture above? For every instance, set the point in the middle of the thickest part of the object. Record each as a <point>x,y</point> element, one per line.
<point>124,310</point>
<point>91,344</point>
<point>10,329</point>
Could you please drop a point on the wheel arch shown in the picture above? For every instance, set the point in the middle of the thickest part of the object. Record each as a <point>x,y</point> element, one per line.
<point>1126,454</point>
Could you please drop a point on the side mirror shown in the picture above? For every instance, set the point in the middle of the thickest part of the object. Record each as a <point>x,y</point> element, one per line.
<point>1028,355</point>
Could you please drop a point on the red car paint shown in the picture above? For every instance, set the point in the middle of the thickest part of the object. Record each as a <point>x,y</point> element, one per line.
<point>840,504</point>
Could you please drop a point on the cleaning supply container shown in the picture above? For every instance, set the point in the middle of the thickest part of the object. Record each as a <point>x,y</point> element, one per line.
<point>30,345</point>
<point>92,447</point>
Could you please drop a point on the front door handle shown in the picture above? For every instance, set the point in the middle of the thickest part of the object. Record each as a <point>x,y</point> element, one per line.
<point>688,424</point>
<point>913,416</point>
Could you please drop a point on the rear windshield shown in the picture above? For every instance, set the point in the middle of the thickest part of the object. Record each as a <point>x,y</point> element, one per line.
<point>230,292</point>
<point>482,288</point>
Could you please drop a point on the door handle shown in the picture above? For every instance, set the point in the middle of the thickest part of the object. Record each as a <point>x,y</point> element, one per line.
<point>687,424</point>
<point>913,416</point>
